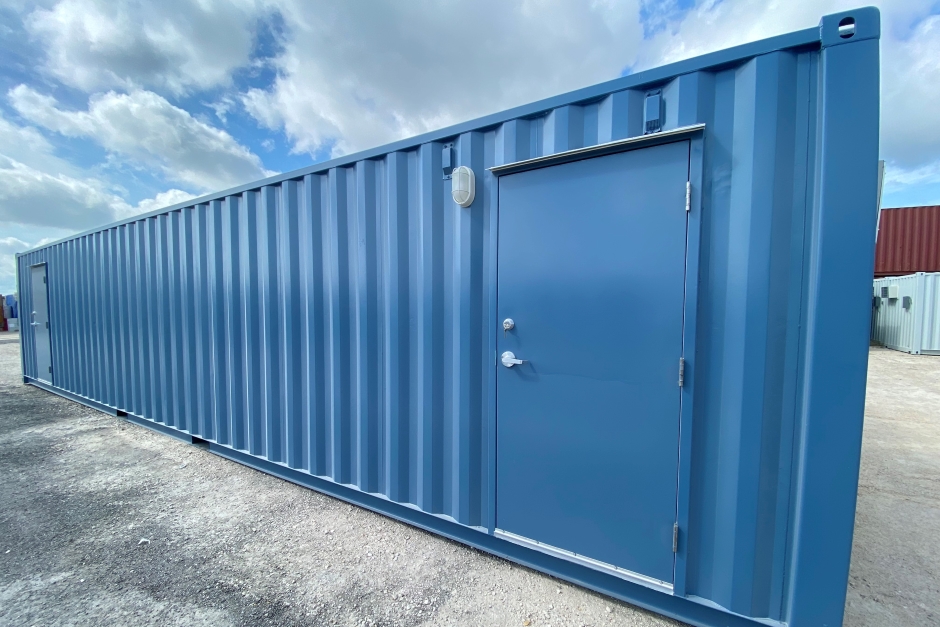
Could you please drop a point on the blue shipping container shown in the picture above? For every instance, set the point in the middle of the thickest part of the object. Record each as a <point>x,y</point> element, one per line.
<point>635,361</point>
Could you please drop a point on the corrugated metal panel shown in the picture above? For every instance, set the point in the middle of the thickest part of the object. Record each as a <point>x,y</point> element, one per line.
<point>914,328</point>
<point>908,241</point>
<point>894,324</point>
<point>929,307</point>
<point>339,320</point>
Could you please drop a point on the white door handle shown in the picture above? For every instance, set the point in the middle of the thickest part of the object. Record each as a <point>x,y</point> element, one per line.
<point>509,359</point>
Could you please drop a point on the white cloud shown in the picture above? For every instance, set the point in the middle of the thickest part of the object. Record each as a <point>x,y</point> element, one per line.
<point>145,127</point>
<point>30,196</point>
<point>353,76</point>
<point>910,48</point>
<point>174,45</point>
<point>161,200</point>
<point>27,145</point>
<point>360,74</point>
<point>910,124</point>
<point>9,246</point>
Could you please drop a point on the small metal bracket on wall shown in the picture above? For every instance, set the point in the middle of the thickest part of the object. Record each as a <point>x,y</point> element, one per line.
<point>447,159</point>
<point>653,112</point>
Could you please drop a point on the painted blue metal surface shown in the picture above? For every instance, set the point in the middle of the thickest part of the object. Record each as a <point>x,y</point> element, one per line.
<point>338,326</point>
<point>592,273</point>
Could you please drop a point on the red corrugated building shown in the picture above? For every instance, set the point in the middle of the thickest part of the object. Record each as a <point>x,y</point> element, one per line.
<point>908,241</point>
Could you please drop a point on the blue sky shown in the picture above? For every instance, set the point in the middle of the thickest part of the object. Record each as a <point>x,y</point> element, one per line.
<point>111,107</point>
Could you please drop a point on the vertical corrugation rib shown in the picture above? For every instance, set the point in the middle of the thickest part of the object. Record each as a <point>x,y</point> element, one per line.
<point>105,320</point>
<point>82,356</point>
<point>180,313</point>
<point>218,375</point>
<point>94,298</point>
<point>61,331</point>
<point>114,305</point>
<point>97,307</point>
<point>188,261</point>
<point>251,298</point>
<point>170,309</point>
<point>367,355</point>
<point>202,342</point>
<point>58,313</point>
<point>51,259</point>
<point>380,227</point>
<point>234,329</point>
<point>150,317</point>
<point>465,295</point>
<point>68,325</point>
<point>163,351</point>
<point>430,379</point>
<point>132,349</point>
<point>270,345</point>
<point>135,341</point>
<point>140,309</point>
<point>102,322</point>
<point>76,315</point>
<point>112,321</point>
<point>563,129</point>
<point>125,371</point>
<point>340,407</point>
<point>397,337</point>
<point>352,323</point>
<point>450,360</point>
<point>202,347</point>
<point>151,320</point>
<point>91,345</point>
<point>312,285</point>
<point>291,371</point>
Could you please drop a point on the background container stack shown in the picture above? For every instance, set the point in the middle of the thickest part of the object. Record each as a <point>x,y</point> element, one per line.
<point>908,241</point>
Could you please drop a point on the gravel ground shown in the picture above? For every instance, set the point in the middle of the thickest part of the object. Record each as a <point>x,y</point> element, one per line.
<point>105,522</point>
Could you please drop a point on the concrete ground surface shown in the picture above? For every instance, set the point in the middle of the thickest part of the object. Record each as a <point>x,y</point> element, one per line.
<point>104,522</point>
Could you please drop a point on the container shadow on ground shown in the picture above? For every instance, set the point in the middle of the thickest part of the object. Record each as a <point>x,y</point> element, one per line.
<point>102,521</point>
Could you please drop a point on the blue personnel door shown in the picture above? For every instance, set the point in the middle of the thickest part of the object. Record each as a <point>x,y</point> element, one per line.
<point>592,258</point>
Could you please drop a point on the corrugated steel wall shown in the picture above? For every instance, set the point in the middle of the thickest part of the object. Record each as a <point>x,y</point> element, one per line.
<point>915,329</point>
<point>908,241</point>
<point>338,321</point>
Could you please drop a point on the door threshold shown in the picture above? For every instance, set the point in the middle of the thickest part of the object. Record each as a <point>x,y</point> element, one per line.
<point>610,569</point>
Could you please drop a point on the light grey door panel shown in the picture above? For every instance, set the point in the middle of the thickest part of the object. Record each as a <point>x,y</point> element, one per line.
<point>39,322</point>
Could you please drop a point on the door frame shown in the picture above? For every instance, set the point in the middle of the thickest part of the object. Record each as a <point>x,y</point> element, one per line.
<point>695,135</point>
<point>32,303</point>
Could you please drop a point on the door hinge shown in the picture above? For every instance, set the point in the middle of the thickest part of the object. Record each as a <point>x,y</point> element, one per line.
<point>681,371</point>
<point>688,196</point>
<point>47,324</point>
<point>675,537</point>
<point>50,368</point>
<point>44,280</point>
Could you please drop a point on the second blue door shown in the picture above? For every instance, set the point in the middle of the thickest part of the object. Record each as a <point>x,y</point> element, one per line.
<point>591,282</point>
